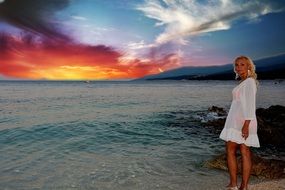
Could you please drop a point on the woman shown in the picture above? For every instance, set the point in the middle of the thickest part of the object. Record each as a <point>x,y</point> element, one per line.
<point>240,128</point>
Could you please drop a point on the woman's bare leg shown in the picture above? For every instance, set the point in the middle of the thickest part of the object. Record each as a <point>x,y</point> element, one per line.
<point>232,162</point>
<point>246,165</point>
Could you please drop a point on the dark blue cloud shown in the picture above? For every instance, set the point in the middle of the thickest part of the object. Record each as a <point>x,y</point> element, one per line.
<point>36,16</point>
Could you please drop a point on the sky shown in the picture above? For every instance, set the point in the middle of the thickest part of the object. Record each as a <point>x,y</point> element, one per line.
<point>127,39</point>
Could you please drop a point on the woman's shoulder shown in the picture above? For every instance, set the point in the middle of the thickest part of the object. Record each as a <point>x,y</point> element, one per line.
<point>247,81</point>
<point>250,81</point>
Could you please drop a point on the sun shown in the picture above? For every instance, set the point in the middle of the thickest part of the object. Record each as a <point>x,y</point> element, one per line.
<point>160,70</point>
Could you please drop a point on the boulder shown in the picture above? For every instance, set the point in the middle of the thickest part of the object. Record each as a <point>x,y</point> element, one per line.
<point>271,124</point>
<point>266,168</point>
<point>216,125</point>
<point>218,110</point>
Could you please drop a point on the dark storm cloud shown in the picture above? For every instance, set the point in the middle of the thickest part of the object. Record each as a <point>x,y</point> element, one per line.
<point>34,15</point>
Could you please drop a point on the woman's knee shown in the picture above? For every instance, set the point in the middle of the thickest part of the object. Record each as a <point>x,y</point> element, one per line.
<point>245,150</point>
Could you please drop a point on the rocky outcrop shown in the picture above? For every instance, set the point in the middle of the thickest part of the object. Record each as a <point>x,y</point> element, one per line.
<point>216,125</point>
<point>271,124</point>
<point>219,111</point>
<point>271,131</point>
<point>267,168</point>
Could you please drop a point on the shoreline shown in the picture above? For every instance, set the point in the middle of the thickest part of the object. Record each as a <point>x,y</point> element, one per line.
<point>276,184</point>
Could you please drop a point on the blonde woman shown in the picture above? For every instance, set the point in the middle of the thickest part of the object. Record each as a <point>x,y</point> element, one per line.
<point>240,128</point>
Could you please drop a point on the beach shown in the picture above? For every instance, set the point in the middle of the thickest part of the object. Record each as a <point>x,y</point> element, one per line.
<point>273,184</point>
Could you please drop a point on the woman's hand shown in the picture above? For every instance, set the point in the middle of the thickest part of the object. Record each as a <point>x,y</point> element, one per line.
<point>245,129</point>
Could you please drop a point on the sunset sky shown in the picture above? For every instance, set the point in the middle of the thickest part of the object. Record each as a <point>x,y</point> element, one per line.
<point>127,39</point>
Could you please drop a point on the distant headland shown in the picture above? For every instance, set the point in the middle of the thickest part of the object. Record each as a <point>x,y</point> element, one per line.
<point>267,69</point>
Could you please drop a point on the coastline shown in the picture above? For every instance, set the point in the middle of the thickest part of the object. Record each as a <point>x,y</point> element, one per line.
<point>269,171</point>
<point>125,140</point>
<point>269,184</point>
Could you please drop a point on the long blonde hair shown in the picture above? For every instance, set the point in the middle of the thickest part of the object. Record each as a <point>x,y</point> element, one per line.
<point>251,68</point>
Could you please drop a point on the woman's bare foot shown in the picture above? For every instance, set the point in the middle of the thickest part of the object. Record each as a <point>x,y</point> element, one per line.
<point>232,187</point>
<point>243,188</point>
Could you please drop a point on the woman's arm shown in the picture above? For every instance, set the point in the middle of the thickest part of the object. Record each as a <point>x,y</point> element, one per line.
<point>248,99</point>
<point>248,105</point>
<point>245,129</point>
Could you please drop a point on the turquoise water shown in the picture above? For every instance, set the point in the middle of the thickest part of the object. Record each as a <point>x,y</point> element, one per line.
<point>113,135</point>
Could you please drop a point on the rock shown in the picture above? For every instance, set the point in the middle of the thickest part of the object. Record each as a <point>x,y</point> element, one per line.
<point>216,125</point>
<point>219,111</point>
<point>271,124</point>
<point>267,168</point>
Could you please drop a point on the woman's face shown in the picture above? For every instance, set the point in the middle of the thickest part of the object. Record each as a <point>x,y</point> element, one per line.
<point>241,67</point>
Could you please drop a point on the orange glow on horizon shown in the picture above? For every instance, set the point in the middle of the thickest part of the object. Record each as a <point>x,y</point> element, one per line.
<point>73,62</point>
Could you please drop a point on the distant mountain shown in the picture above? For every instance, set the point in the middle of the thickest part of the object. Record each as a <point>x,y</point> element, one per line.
<point>267,68</point>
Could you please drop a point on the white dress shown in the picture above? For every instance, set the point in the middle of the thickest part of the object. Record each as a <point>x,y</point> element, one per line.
<point>242,108</point>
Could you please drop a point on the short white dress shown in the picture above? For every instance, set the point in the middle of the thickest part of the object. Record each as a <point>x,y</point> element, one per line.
<point>242,108</point>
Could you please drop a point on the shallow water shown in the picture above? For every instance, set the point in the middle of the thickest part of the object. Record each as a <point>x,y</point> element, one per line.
<point>113,135</point>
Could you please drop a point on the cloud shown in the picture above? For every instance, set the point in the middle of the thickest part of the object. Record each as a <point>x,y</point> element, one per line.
<point>139,45</point>
<point>27,56</point>
<point>36,16</point>
<point>79,18</point>
<point>184,18</point>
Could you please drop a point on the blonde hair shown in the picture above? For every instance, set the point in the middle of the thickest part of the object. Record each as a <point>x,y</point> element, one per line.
<point>251,68</point>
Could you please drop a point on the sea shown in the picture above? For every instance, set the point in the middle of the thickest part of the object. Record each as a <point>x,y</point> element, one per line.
<point>116,135</point>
